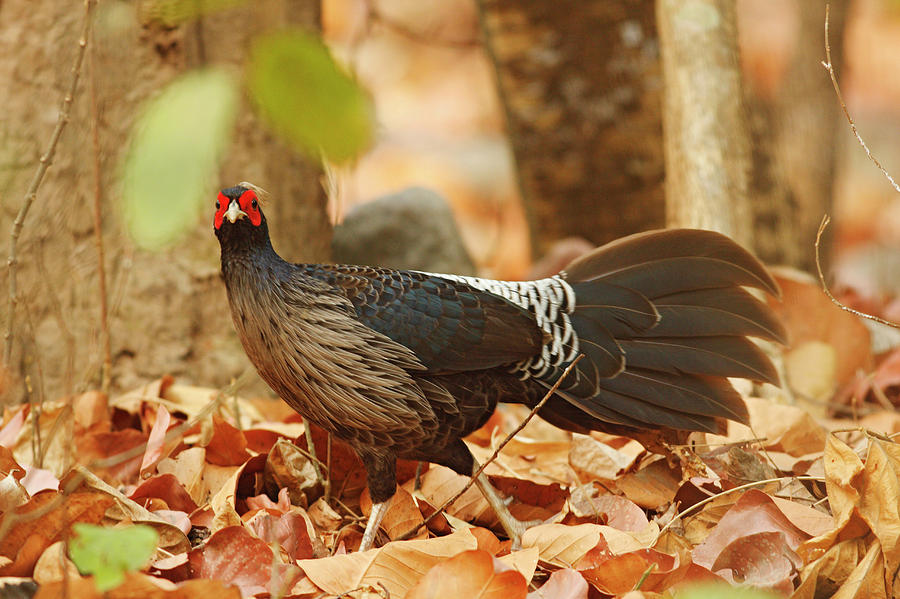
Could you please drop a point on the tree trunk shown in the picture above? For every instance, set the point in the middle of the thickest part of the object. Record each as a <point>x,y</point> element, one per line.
<point>168,312</point>
<point>707,143</point>
<point>580,85</point>
<point>795,144</point>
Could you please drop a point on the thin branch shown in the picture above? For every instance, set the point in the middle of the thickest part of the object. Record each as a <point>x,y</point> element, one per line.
<point>837,90</point>
<point>106,371</point>
<point>409,534</point>
<point>45,161</point>
<point>845,308</point>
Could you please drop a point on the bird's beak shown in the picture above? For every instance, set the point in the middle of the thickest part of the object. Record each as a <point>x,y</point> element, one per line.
<point>234,212</point>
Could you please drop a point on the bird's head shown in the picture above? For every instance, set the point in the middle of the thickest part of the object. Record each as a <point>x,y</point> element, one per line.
<point>239,218</point>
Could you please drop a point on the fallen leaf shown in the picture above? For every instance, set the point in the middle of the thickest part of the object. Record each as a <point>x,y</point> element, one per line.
<point>565,583</point>
<point>398,565</point>
<point>763,560</point>
<point>753,513</point>
<point>26,541</point>
<point>157,448</point>
<point>165,487</point>
<point>469,574</point>
<point>402,514</point>
<point>233,556</point>
<point>227,445</point>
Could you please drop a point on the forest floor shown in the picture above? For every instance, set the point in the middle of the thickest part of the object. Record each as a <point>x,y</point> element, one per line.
<point>802,503</point>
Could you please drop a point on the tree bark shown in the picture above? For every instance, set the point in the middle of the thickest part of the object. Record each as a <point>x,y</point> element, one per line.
<point>795,146</point>
<point>707,143</point>
<point>581,88</point>
<point>168,312</point>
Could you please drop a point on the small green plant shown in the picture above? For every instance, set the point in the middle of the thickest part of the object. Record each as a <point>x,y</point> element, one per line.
<point>712,590</point>
<point>108,553</point>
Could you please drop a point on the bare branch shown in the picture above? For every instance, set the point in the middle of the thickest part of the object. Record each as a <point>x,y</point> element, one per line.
<point>840,97</point>
<point>45,161</point>
<point>834,300</point>
<point>106,373</point>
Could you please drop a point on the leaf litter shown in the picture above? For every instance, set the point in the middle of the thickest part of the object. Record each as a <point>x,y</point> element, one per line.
<point>802,503</point>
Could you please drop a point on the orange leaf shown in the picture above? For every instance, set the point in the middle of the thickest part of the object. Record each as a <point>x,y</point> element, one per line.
<point>470,574</point>
<point>227,446</point>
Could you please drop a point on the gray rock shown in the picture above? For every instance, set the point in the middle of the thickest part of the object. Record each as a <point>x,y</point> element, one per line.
<point>412,229</point>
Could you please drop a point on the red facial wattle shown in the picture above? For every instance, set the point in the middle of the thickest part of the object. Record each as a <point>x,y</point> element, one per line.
<point>221,207</point>
<point>247,202</point>
<point>250,205</point>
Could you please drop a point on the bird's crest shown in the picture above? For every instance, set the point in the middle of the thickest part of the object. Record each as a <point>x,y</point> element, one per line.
<point>261,194</point>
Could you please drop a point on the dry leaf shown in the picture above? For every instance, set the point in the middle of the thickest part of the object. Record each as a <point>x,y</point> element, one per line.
<point>469,574</point>
<point>398,565</point>
<point>565,583</point>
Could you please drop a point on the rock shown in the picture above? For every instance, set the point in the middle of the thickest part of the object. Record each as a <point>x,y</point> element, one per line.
<point>412,229</point>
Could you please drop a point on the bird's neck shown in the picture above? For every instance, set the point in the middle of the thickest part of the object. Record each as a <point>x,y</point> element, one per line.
<point>249,255</point>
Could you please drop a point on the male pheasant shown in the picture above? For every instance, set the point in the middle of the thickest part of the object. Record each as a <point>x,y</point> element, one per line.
<point>404,364</point>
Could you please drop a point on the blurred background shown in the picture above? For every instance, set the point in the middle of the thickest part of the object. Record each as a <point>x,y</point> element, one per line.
<point>539,123</point>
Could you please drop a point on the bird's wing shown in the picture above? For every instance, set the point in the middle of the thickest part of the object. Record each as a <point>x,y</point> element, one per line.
<point>449,325</point>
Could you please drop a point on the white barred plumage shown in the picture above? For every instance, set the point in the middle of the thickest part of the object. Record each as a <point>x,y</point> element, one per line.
<point>550,301</point>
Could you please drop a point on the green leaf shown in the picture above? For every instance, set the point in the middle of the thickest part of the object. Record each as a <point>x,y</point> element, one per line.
<point>307,98</point>
<point>108,553</point>
<point>174,155</point>
<point>721,591</point>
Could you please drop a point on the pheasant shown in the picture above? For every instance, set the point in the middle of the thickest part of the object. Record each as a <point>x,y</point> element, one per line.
<point>404,364</point>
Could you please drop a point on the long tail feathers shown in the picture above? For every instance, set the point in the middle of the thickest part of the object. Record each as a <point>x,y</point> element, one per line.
<point>663,318</point>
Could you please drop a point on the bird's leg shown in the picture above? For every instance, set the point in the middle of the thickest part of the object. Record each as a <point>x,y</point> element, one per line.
<point>381,477</point>
<point>378,511</point>
<point>514,528</point>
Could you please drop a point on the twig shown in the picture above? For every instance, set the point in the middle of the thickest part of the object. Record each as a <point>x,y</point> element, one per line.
<point>311,447</point>
<point>409,534</point>
<point>45,161</point>
<point>834,300</point>
<point>106,371</point>
<point>684,512</point>
<point>837,90</point>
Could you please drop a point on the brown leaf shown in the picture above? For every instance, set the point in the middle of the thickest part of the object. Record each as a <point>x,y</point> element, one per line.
<point>54,565</point>
<point>139,585</point>
<point>167,488</point>
<point>823,577</point>
<point>785,428</point>
<point>398,565</point>
<point>9,465</point>
<point>565,545</point>
<point>157,448</point>
<point>469,574</point>
<point>613,510</point>
<point>103,445</point>
<point>810,316</point>
<point>440,484</point>
<point>754,512</point>
<point>227,445</point>
<point>562,584</point>
<point>593,459</point>
<point>763,559</point>
<point>292,531</point>
<point>234,556</point>
<point>401,516</point>
<point>879,498</point>
<point>287,467</point>
<point>867,580</point>
<point>653,486</point>
<point>29,538</point>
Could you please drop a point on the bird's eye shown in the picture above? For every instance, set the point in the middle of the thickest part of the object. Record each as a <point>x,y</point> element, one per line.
<point>218,204</point>
<point>254,204</point>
